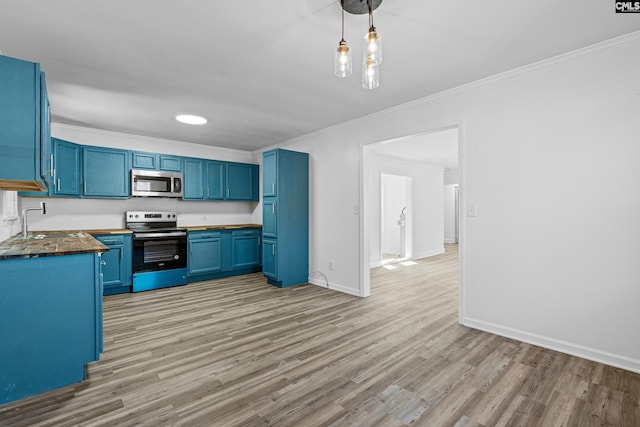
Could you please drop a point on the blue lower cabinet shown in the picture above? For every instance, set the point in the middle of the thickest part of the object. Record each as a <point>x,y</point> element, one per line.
<point>205,252</point>
<point>50,322</point>
<point>214,254</point>
<point>245,248</point>
<point>116,263</point>
<point>269,258</point>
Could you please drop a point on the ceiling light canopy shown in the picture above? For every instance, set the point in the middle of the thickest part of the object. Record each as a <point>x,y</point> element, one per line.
<point>191,119</point>
<point>372,46</point>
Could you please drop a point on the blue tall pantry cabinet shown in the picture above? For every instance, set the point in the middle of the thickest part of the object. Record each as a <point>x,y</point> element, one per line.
<point>285,217</point>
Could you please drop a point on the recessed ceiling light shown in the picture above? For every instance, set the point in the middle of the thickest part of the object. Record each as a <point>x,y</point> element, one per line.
<point>191,119</point>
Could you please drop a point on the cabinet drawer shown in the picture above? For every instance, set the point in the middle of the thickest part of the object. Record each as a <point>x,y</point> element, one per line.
<point>110,239</point>
<point>246,232</point>
<point>197,235</point>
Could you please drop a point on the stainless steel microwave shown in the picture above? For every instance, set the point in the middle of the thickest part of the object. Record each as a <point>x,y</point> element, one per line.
<point>147,183</point>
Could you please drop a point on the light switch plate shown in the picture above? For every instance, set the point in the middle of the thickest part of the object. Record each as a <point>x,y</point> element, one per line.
<point>472,211</point>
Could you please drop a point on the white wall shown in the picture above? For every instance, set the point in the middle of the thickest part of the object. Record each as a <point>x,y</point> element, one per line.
<point>66,213</point>
<point>549,155</point>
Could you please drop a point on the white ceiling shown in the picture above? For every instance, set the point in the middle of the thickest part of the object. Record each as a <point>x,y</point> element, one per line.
<point>438,148</point>
<point>261,72</point>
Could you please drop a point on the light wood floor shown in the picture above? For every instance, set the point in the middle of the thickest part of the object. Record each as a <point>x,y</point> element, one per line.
<point>240,352</point>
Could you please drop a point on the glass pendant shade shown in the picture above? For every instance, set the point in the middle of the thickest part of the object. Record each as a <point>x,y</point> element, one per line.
<point>342,60</point>
<point>370,74</point>
<point>372,46</point>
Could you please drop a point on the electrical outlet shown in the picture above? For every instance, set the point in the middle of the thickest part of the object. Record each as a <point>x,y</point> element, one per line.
<point>331,265</point>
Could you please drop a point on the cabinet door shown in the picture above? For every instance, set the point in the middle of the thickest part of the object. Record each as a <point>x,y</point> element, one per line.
<point>245,249</point>
<point>215,180</point>
<point>241,181</point>
<point>20,125</point>
<point>116,263</point>
<point>46,168</point>
<point>193,178</point>
<point>269,173</point>
<point>144,160</point>
<point>269,258</point>
<point>105,172</point>
<point>66,179</point>
<point>170,163</point>
<point>205,256</point>
<point>269,218</point>
<point>112,263</point>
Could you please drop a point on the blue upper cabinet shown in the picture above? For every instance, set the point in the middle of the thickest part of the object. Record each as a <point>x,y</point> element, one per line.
<point>218,180</point>
<point>154,161</point>
<point>214,180</point>
<point>105,172</point>
<point>193,179</point>
<point>66,172</point>
<point>269,173</point>
<point>24,126</point>
<point>242,181</point>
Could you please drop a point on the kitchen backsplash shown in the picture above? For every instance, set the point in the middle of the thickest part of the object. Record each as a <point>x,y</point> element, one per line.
<point>66,214</point>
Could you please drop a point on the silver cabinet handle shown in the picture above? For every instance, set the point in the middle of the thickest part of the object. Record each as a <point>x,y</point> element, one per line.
<point>103,262</point>
<point>273,188</point>
<point>228,193</point>
<point>273,208</point>
<point>85,187</point>
<point>58,184</point>
<point>51,164</point>
<point>258,241</point>
<point>273,249</point>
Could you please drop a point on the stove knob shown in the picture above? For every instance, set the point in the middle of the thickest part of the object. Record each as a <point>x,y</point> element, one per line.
<point>136,215</point>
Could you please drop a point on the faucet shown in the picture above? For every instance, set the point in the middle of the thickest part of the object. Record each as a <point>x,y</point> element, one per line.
<point>42,208</point>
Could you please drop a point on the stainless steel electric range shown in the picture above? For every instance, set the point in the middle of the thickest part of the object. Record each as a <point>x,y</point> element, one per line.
<point>159,250</point>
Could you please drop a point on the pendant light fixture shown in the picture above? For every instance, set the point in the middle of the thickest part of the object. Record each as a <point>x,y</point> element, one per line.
<point>372,46</point>
<point>342,60</point>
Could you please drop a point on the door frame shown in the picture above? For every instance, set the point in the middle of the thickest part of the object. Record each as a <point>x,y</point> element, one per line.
<point>365,216</point>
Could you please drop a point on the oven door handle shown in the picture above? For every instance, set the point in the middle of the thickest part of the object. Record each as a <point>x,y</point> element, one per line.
<point>155,235</point>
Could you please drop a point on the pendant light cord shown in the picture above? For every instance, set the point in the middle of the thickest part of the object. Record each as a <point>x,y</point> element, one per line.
<point>342,6</point>
<point>370,14</point>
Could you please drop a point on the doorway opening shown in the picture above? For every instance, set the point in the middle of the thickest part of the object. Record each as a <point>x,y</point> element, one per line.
<point>414,182</point>
<point>395,218</point>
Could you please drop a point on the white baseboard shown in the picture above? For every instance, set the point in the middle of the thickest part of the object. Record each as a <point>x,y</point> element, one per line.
<point>588,353</point>
<point>449,240</point>
<point>427,254</point>
<point>334,286</point>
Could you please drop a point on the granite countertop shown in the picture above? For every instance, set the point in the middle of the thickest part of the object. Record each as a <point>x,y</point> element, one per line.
<point>69,242</point>
<point>220,227</point>
<point>50,243</point>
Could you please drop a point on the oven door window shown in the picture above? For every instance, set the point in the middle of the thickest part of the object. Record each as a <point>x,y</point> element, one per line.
<point>155,254</point>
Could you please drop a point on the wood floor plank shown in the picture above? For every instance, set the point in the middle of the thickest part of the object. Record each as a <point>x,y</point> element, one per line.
<point>237,351</point>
